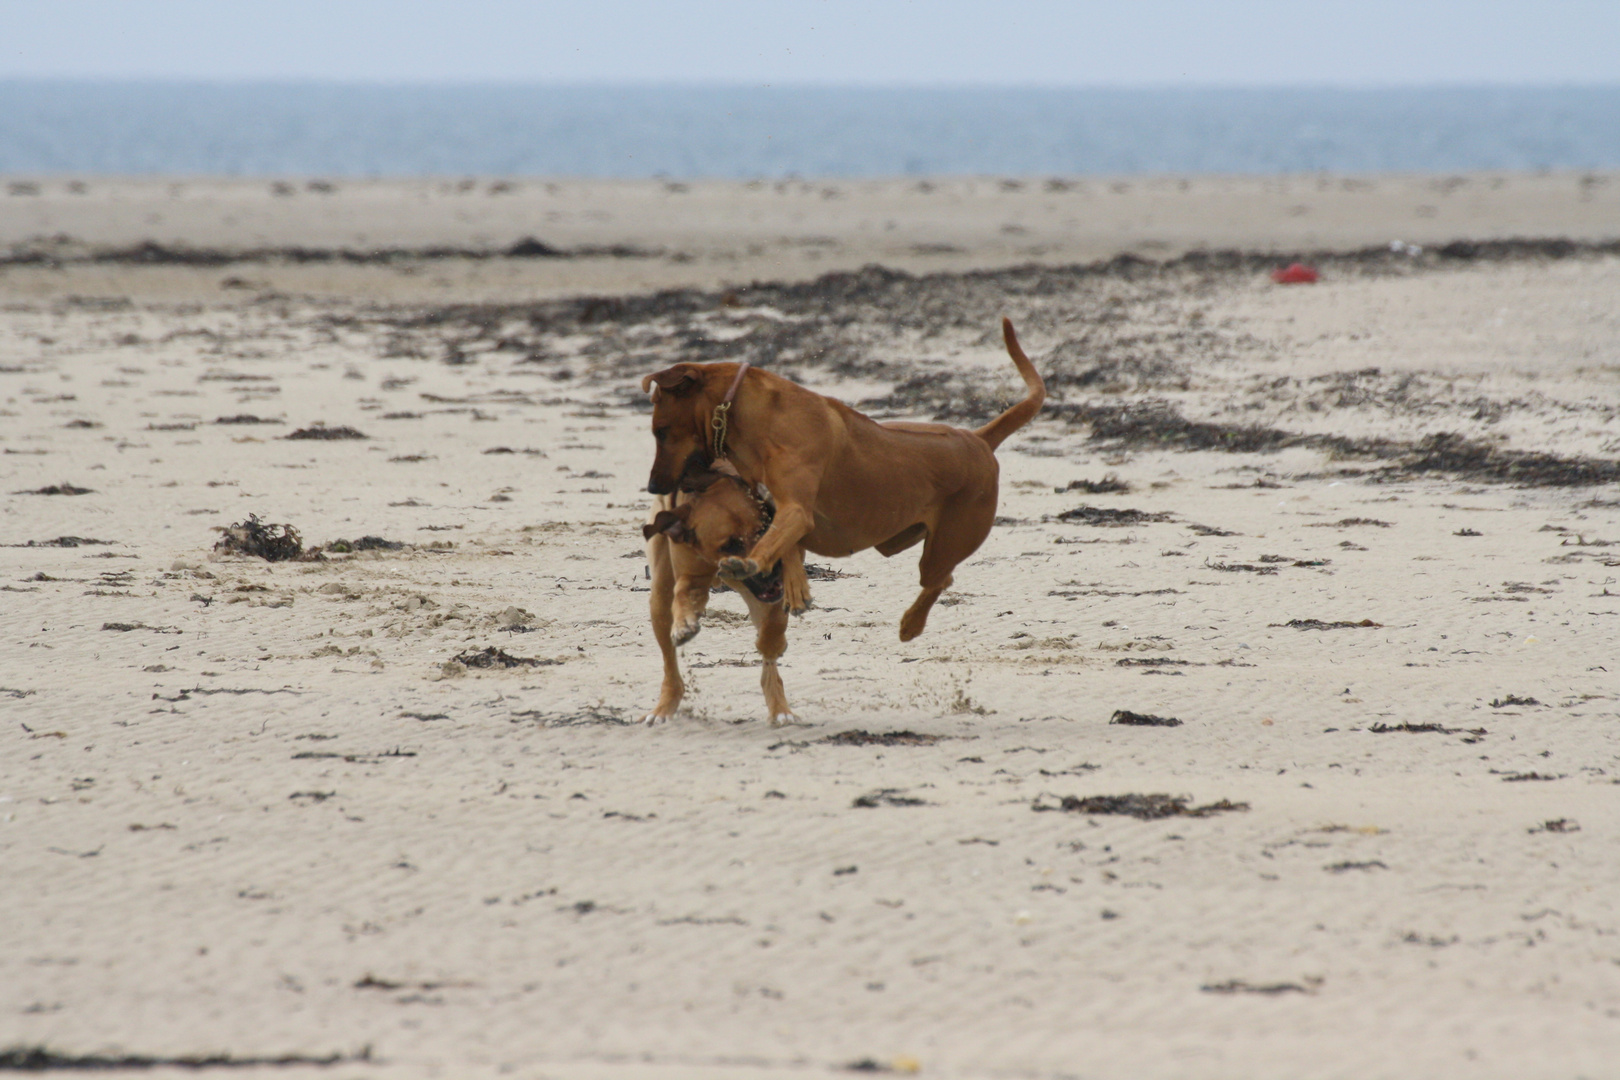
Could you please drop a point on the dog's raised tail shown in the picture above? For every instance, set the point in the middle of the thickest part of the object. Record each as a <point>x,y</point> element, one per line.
<point>997,430</point>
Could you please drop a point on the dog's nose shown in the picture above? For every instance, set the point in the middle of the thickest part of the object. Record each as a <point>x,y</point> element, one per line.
<point>655,488</point>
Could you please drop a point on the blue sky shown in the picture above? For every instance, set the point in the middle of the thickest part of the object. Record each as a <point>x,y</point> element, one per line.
<point>872,42</point>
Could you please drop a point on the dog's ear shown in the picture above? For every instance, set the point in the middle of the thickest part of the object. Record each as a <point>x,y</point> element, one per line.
<point>678,380</point>
<point>698,479</point>
<point>661,521</point>
<point>672,523</point>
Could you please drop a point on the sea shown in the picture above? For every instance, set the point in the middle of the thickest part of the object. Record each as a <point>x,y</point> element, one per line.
<point>743,132</point>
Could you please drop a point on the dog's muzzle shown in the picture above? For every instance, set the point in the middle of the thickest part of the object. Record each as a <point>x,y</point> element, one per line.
<point>767,588</point>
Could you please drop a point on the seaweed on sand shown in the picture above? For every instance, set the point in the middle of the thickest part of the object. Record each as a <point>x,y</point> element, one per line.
<point>1142,807</point>
<point>273,543</point>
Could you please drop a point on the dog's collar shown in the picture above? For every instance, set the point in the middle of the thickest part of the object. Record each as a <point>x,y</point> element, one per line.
<point>767,508</point>
<point>722,411</point>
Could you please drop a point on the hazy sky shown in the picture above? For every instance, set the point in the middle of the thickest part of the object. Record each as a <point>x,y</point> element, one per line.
<point>885,42</point>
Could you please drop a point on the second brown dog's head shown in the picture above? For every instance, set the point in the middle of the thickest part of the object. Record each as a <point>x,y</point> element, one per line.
<point>682,407</point>
<point>723,517</point>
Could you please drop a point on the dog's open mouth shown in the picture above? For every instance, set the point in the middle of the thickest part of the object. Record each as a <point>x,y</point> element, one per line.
<point>767,588</point>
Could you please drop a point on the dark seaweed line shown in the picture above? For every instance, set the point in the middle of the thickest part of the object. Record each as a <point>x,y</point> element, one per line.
<point>41,1059</point>
<point>859,285</point>
<point>152,253</point>
<point>1159,424</point>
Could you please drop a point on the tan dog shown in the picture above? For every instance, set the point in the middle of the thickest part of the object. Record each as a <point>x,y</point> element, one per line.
<point>686,538</point>
<point>842,481</point>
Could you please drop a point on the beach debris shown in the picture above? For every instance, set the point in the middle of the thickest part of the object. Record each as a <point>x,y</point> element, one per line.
<point>365,543</point>
<point>1512,699</point>
<point>353,759</point>
<point>492,657</point>
<point>1156,423</point>
<point>1239,986</point>
<point>1142,807</point>
<point>1345,523</point>
<point>1557,825</point>
<point>236,691</point>
<point>1318,624</point>
<point>1108,485</point>
<point>61,542</point>
<point>1107,518</point>
<point>1296,274</point>
<point>905,1064</point>
<point>1136,719</point>
<point>57,489</point>
<point>1410,728</point>
<point>887,797</point>
<point>879,738</point>
<point>271,542</point>
<point>372,982</point>
<point>1345,867</point>
<point>321,431</point>
<point>590,714</point>
<point>530,248</point>
<point>42,1059</point>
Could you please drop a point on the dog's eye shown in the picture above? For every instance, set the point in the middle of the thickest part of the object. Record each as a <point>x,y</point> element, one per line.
<point>734,546</point>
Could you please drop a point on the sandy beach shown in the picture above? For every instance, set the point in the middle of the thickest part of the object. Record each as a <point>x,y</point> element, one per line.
<point>1360,538</point>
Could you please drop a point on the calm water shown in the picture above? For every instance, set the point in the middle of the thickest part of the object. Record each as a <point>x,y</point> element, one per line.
<point>342,130</point>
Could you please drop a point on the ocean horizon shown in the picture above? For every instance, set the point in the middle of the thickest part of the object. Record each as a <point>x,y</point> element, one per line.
<point>53,127</point>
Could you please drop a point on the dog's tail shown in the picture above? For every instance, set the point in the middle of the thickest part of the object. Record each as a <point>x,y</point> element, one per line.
<point>1020,414</point>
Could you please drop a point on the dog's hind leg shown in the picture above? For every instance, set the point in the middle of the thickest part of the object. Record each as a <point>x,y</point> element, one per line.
<point>953,538</point>
<point>661,604</point>
<point>770,620</point>
<point>915,619</point>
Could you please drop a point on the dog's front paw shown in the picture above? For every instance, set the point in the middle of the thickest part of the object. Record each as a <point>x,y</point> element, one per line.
<point>738,567</point>
<point>654,718</point>
<point>783,719</point>
<point>686,629</point>
<point>796,596</point>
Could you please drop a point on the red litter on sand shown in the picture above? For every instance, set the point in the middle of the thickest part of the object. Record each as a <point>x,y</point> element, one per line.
<point>1297,274</point>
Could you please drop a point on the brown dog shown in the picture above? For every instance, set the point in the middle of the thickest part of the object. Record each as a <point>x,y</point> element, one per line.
<point>686,538</point>
<point>842,481</point>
